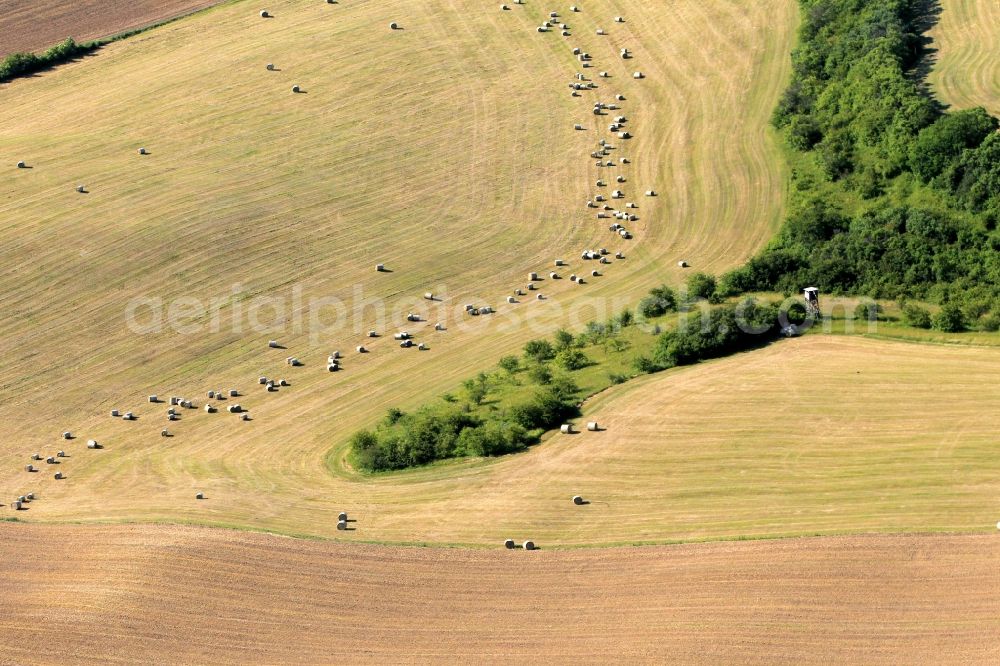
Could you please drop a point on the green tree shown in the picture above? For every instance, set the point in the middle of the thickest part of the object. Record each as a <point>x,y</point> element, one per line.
<point>701,286</point>
<point>572,359</point>
<point>949,319</point>
<point>540,374</point>
<point>563,339</point>
<point>867,311</point>
<point>539,351</point>
<point>510,364</point>
<point>476,389</point>
<point>916,316</point>
<point>939,144</point>
<point>660,301</point>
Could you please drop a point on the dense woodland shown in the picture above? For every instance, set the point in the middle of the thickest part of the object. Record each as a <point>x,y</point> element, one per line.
<point>893,196</point>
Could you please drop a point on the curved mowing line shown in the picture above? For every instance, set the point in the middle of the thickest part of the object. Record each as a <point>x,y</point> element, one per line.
<point>967,72</point>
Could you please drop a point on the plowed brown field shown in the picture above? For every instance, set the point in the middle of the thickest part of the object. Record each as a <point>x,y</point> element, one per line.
<point>33,25</point>
<point>197,595</point>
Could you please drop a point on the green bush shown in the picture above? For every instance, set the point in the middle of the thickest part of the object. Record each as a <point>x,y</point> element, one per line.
<point>990,323</point>
<point>493,438</point>
<point>660,301</point>
<point>572,359</point>
<point>447,430</point>
<point>974,178</point>
<point>563,339</point>
<point>645,365</point>
<point>539,351</point>
<point>949,319</point>
<point>804,133</point>
<point>509,364</point>
<point>701,286</point>
<point>617,378</point>
<point>540,374</point>
<point>476,389</point>
<point>916,316</point>
<point>938,145</point>
<point>867,311</point>
<point>723,331</point>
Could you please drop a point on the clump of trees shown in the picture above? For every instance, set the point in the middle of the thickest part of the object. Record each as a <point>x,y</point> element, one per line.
<point>907,199</point>
<point>452,430</point>
<point>480,423</point>
<point>724,330</point>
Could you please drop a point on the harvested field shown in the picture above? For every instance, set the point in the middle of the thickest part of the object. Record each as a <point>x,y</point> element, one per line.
<point>35,25</point>
<point>819,435</point>
<point>197,595</point>
<point>967,71</point>
<point>392,156</point>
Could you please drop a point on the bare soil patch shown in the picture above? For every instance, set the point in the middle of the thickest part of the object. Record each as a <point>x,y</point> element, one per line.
<point>155,594</point>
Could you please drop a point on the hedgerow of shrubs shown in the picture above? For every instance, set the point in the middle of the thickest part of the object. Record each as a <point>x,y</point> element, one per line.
<point>725,330</point>
<point>473,426</point>
<point>23,64</point>
<point>452,430</point>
